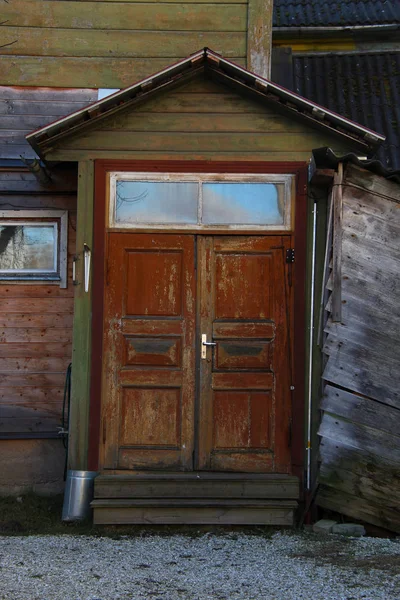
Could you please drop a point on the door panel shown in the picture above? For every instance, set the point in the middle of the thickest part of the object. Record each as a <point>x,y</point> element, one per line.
<point>244,403</point>
<point>149,345</point>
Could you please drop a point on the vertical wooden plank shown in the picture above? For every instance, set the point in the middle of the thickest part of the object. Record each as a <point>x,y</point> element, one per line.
<point>81,351</point>
<point>259,37</point>
<point>337,245</point>
<point>205,294</point>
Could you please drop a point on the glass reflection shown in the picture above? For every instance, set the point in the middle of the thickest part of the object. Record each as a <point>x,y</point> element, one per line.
<point>242,203</point>
<point>156,202</point>
<point>27,248</point>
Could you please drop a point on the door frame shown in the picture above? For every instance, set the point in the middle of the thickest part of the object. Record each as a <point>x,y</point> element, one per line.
<point>300,170</point>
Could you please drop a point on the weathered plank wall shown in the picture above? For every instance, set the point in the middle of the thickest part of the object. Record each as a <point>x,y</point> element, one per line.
<point>96,43</point>
<point>23,110</point>
<point>35,319</point>
<point>200,120</point>
<point>360,436</point>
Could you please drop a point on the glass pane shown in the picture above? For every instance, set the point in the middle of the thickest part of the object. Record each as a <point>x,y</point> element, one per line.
<point>156,202</point>
<point>27,248</point>
<point>243,203</point>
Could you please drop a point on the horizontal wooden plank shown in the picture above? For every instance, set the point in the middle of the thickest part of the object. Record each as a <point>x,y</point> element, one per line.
<point>358,508</point>
<point>361,410</point>
<point>80,96</point>
<point>32,425</point>
<point>169,1</point>
<point>368,383</point>
<point>80,72</point>
<point>243,330</point>
<point>8,380</point>
<point>365,255</point>
<point>135,16</point>
<point>381,357</point>
<point>371,228</point>
<point>76,154</point>
<point>248,381</point>
<point>176,487</point>
<point>55,350</point>
<point>33,290</point>
<point>31,334</point>
<point>15,413</point>
<point>31,396</point>
<point>108,43</point>
<point>372,489</point>
<point>215,122</point>
<point>37,305</point>
<point>57,320</point>
<point>47,110</point>
<point>186,515</point>
<point>194,142</point>
<point>359,333</point>
<point>372,204</point>
<point>18,200</point>
<point>371,186</point>
<point>34,365</point>
<point>359,436</point>
<point>333,455</point>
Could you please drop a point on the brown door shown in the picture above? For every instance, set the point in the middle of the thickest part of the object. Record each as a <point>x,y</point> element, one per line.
<point>149,352</point>
<point>152,347</point>
<point>244,400</point>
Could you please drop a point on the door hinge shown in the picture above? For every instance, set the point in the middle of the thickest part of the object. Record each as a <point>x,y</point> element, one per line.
<point>290,256</point>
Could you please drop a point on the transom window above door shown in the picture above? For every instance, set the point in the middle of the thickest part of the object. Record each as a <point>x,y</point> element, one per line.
<point>200,201</point>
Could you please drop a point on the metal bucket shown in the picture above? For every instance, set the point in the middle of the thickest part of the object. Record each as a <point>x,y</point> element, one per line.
<point>78,495</point>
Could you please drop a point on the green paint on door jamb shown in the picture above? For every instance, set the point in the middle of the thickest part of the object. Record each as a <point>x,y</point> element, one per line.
<point>82,328</point>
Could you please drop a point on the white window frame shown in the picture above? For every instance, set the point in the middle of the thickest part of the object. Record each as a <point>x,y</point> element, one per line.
<point>32,218</point>
<point>288,181</point>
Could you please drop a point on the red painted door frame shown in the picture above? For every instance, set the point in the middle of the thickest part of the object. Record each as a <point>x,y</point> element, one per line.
<point>299,169</point>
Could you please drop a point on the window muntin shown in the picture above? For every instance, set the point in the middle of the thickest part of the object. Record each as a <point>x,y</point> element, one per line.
<point>200,201</point>
<point>33,245</point>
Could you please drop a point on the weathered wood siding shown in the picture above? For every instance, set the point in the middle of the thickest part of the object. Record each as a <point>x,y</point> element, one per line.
<point>112,43</point>
<point>22,110</point>
<point>360,437</point>
<point>200,120</point>
<point>35,320</point>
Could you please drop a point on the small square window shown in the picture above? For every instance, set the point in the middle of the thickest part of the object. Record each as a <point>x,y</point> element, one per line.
<point>33,245</point>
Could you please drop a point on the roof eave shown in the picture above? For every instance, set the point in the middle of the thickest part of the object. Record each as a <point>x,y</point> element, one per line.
<point>265,89</point>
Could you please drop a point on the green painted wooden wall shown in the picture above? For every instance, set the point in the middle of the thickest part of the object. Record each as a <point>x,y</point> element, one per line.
<point>200,120</point>
<point>111,44</point>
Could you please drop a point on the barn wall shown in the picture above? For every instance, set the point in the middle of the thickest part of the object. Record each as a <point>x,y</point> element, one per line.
<point>360,438</point>
<point>111,44</point>
<point>35,349</point>
<point>200,120</point>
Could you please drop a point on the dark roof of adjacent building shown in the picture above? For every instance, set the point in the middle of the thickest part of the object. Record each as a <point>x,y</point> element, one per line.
<point>363,87</point>
<point>339,13</point>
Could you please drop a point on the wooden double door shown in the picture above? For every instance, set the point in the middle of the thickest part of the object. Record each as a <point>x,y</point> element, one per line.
<point>170,402</point>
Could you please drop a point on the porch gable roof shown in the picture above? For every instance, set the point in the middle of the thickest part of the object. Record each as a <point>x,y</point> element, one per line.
<point>221,70</point>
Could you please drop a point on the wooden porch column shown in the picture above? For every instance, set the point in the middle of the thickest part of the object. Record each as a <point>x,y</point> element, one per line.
<point>259,37</point>
<point>81,349</point>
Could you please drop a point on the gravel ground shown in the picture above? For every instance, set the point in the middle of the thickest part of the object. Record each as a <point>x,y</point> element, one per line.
<point>231,566</point>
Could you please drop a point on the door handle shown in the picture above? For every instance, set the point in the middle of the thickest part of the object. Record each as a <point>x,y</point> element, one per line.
<point>204,345</point>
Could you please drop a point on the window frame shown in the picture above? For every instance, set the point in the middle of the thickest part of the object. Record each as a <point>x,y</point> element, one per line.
<point>57,218</point>
<point>287,180</point>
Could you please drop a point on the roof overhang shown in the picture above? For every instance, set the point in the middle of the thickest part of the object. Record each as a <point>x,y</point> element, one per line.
<point>220,70</point>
